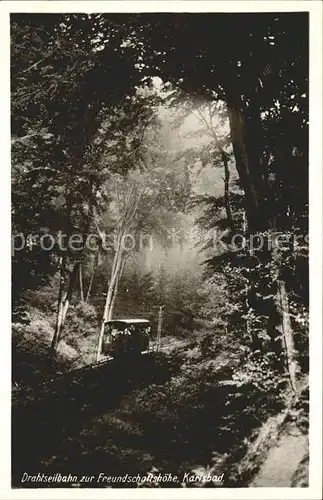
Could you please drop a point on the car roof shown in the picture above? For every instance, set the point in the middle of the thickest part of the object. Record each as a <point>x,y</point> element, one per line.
<point>128,321</point>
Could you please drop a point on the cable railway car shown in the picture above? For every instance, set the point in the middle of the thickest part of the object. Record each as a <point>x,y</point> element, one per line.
<point>126,337</point>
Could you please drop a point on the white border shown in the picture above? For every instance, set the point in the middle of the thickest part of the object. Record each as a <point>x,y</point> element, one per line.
<point>315,181</point>
<point>162,6</point>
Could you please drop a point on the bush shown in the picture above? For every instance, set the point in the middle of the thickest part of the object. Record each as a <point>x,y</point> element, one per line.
<point>31,342</point>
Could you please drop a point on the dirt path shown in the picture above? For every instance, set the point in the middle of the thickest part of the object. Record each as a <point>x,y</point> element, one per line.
<point>283,461</point>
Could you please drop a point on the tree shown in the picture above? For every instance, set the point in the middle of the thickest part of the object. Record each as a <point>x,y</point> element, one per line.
<point>244,75</point>
<point>137,201</point>
<point>262,77</point>
<point>58,105</point>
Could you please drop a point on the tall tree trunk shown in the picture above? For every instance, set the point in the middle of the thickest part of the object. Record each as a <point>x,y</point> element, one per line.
<point>288,336</point>
<point>81,283</point>
<point>63,304</point>
<point>59,316</point>
<point>248,160</point>
<point>117,263</point>
<point>73,277</point>
<point>285,326</point>
<point>94,268</point>
<point>115,291</point>
<point>226,190</point>
<point>224,157</point>
<point>71,286</point>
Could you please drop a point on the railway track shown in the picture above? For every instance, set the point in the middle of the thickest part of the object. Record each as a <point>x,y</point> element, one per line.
<point>57,410</point>
<point>25,393</point>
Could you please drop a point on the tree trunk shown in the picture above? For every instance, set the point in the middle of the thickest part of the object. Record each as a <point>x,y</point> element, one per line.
<point>106,317</point>
<point>117,266</point>
<point>115,291</point>
<point>64,304</point>
<point>75,272</point>
<point>226,190</point>
<point>288,336</point>
<point>248,161</point>
<point>284,325</point>
<point>70,290</point>
<point>117,263</point>
<point>224,157</point>
<point>59,316</point>
<point>71,286</point>
<point>94,268</point>
<point>81,283</point>
<point>113,301</point>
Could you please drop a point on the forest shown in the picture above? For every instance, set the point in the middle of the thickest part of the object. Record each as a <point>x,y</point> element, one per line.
<point>160,170</point>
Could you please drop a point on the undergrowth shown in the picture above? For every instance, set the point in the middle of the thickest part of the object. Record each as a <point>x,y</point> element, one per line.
<point>198,414</point>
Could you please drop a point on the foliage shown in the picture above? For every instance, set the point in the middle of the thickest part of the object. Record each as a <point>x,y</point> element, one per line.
<point>172,424</point>
<point>96,153</point>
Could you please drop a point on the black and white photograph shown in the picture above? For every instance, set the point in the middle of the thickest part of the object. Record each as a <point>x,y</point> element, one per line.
<point>160,170</point>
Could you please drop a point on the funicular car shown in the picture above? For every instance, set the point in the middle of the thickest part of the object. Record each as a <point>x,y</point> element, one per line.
<point>126,337</point>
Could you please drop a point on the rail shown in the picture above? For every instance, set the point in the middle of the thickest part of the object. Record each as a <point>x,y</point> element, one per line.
<point>20,390</point>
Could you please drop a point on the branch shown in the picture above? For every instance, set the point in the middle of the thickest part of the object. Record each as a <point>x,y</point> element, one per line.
<point>36,63</point>
<point>23,138</point>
